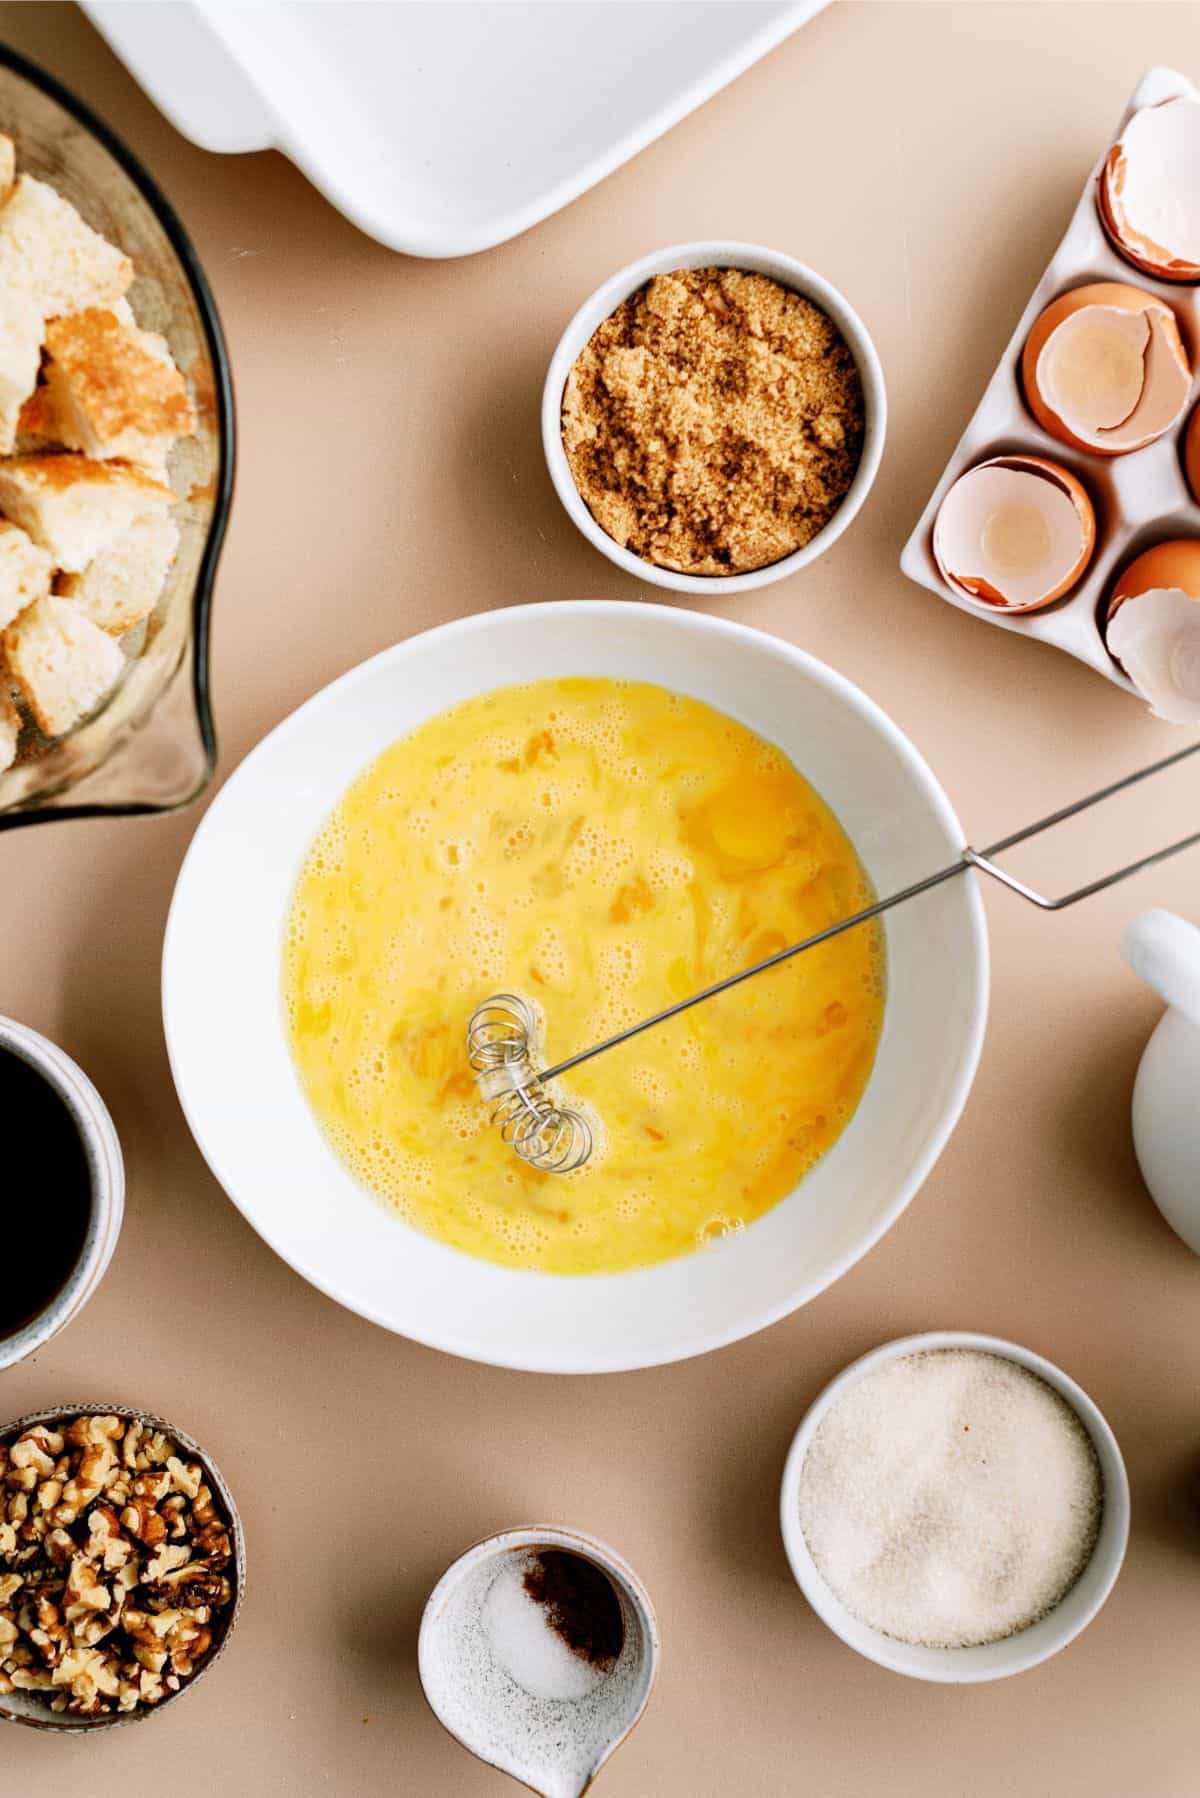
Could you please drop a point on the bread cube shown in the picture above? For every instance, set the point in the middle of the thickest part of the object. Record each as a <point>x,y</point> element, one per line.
<point>25,571</point>
<point>151,342</point>
<point>62,662</point>
<point>8,166</point>
<point>75,507</point>
<point>51,256</point>
<point>112,392</point>
<point>122,585</point>
<point>10,725</point>
<point>20,354</point>
<point>37,426</point>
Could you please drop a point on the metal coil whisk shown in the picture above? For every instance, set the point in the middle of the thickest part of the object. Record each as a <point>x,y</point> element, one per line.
<point>500,1039</point>
<point>502,1031</point>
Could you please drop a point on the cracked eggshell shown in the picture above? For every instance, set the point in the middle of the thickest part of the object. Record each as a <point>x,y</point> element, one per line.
<point>1015,533</point>
<point>1153,628</point>
<point>1148,193</point>
<point>1104,368</point>
<point>1191,455</point>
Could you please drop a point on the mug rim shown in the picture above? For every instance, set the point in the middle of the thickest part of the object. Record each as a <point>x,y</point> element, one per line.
<point>106,1186</point>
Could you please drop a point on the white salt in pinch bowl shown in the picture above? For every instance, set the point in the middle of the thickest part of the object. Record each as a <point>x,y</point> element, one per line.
<point>753,259</point>
<point>554,1745</point>
<point>1015,1653</point>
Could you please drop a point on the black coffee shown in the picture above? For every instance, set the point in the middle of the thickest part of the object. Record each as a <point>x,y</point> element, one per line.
<point>44,1210</point>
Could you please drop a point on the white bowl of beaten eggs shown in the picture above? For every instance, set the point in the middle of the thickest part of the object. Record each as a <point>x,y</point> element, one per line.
<point>600,806</point>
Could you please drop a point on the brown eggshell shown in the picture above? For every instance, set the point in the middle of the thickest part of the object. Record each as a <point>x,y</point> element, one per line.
<point>1129,242</point>
<point>1172,564</point>
<point>1191,455</point>
<point>1083,505</point>
<point>1096,293</point>
<point>980,590</point>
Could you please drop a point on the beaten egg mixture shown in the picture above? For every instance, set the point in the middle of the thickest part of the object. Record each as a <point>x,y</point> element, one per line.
<point>600,847</point>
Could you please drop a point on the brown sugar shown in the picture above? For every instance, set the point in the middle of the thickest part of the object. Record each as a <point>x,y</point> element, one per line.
<point>713,423</point>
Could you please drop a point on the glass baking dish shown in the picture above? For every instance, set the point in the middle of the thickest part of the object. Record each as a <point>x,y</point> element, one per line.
<point>150,747</point>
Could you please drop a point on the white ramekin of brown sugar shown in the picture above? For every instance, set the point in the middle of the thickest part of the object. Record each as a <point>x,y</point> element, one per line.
<point>747,259</point>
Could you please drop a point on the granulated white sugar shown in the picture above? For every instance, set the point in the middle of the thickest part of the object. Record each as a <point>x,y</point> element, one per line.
<point>952,1498</point>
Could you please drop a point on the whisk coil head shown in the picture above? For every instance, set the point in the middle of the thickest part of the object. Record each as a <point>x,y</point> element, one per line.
<point>500,1039</point>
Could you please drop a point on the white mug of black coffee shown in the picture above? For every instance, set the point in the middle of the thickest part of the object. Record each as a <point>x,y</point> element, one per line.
<point>60,1227</point>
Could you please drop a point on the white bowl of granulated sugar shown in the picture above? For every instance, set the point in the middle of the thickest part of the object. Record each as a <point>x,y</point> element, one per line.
<point>955,1507</point>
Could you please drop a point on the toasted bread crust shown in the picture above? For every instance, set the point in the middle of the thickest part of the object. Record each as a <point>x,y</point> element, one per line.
<point>37,417</point>
<point>59,473</point>
<point>103,378</point>
<point>74,507</point>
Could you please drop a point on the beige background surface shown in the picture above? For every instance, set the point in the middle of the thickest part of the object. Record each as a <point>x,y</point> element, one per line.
<point>925,158</point>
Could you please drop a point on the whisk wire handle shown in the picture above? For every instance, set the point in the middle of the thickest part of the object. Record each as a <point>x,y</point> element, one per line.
<point>502,1031</point>
<point>983,859</point>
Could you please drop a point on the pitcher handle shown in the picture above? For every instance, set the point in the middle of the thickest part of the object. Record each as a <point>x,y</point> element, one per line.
<point>1164,950</point>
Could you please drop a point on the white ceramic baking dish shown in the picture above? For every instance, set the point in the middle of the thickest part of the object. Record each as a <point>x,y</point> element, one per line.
<point>441,129</point>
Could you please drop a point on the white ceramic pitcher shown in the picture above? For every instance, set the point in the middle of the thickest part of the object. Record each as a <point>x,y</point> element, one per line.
<point>1165,951</point>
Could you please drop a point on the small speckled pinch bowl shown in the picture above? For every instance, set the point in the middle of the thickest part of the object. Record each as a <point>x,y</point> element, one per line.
<point>555,1747</point>
<point>33,1708</point>
<point>1016,1653</point>
<point>106,1178</point>
<point>754,259</point>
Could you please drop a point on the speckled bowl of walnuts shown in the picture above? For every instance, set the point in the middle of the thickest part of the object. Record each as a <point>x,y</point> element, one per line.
<point>122,1567</point>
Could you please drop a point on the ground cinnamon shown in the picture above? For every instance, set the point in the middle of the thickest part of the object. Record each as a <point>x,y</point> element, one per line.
<point>580,1604</point>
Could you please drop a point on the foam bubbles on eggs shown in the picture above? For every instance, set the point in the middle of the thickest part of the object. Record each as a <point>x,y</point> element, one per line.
<point>666,869</point>
<point>553,963</point>
<point>718,1230</point>
<point>649,1082</point>
<point>578,842</point>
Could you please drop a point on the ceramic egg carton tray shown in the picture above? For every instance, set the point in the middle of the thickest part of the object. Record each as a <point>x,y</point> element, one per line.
<point>1140,498</point>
